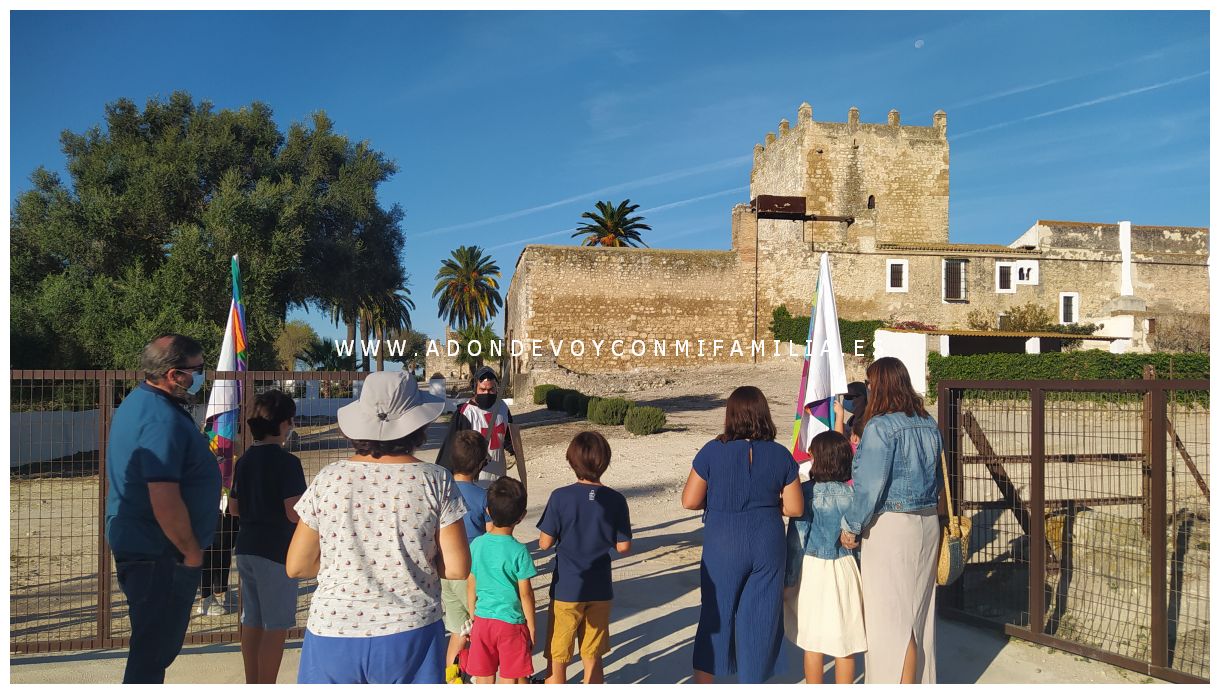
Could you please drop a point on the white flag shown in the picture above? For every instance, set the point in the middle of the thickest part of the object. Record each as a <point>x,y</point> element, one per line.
<point>824,375</point>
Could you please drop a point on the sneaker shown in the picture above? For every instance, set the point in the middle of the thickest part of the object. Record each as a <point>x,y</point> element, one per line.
<point>205,605</point>
<point>217,608</point>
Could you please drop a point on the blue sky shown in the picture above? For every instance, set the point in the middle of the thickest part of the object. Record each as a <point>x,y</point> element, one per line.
<point>506,126</point>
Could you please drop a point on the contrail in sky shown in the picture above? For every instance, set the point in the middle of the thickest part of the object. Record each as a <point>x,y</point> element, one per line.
<point>1058,80</point>
<point>658,208</point>
<point>649,181</point>
<point>1083,104</point>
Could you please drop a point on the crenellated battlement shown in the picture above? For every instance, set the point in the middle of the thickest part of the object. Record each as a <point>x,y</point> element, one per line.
<point>804,119</point>
<point>892,177</point>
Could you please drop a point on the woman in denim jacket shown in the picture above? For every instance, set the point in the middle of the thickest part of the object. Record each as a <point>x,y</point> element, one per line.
<point>894,511</point>
<point>823,607</point>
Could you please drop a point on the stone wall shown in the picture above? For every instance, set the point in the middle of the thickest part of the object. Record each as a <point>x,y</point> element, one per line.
<point>574,293</point>
<point>1168,267</point>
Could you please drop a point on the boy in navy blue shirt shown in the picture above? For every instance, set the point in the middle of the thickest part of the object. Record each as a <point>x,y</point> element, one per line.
<point>584,520</point>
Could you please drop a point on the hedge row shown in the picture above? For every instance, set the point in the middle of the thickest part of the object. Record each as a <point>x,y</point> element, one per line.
<point>1071,366</point>
<point>786,327</point>
<point>608,411</point>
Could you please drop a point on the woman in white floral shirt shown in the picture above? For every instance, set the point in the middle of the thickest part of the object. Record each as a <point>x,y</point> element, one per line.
<point>379,530</point>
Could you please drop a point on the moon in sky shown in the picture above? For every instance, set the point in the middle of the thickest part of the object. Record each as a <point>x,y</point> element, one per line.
<point>919,43</point>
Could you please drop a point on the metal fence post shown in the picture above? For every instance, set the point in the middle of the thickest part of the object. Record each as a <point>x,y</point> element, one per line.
<point>947,417</point>
<point>247,401</point>
<point>1159,651</point>
<point>1037,510</point>
<point>105,407</point>
<point>1146,486</point>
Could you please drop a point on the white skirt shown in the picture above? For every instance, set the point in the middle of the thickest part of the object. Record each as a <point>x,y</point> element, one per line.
<point>824,612</point>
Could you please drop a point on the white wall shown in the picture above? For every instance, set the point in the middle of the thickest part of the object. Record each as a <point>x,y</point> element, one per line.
<point>1122,325</point>
<point>36,437</point>
<point>39,436</point>
<point>909,348</point>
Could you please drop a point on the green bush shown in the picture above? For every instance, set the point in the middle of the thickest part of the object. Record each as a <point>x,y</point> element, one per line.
<point>593,400</point>
<point>576,404</point>
<point>1092,364</point>
<point>644,420</point>
<point>785,326</point>
<point>541,391</point>
<point>554,398</point>
<point>610,411</point>
<point>852,330</point>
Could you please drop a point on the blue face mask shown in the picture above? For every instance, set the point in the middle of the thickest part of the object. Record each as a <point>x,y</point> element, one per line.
<point>196,383</point>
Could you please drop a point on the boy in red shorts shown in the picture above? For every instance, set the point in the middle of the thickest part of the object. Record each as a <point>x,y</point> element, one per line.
<point>500,594</point>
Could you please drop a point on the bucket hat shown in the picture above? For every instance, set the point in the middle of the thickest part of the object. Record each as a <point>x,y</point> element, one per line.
<point>391,405</point>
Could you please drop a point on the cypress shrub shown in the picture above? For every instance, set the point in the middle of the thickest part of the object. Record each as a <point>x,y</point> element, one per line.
<point>610,411</point>
<point>644,420</point>
<point>541,391</point>
<point>576,404</point>
<point>554,398</point>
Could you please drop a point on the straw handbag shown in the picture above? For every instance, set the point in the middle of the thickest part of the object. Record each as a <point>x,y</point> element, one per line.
<point>954,540</point>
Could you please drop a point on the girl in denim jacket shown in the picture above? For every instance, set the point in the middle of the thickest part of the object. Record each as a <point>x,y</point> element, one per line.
<point>823,601</point>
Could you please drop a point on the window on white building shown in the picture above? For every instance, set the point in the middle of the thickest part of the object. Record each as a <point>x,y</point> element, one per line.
<point>1004,272</point>
<point>1026,271</point>
<point>1069,307</point>
<point>953,286</point>
<point>896,276</point>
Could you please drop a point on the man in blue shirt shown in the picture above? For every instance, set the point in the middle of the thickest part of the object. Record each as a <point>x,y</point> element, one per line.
<point>164,489</point>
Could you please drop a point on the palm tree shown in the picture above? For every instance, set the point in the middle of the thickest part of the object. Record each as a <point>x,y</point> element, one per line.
<point>474,333</point>
<point>613,226</point>
<point>467,287</point>
<point>385,312</point>
<point>346,310</point>
<point>321,355</point>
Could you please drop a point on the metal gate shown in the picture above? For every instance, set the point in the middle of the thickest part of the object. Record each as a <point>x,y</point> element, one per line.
<point>1091,516</point>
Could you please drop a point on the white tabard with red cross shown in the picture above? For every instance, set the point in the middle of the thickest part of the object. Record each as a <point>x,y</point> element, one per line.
<point>492,424</point>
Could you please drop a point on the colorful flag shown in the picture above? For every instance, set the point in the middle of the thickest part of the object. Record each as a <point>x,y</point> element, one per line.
<point>823,375</point>
<point>220,421</point>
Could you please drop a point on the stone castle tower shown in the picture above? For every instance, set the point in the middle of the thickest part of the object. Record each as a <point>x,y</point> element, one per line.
<point>892,178</point>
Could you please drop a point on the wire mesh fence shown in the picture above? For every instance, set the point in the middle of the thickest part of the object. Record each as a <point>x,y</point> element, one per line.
<point>63,591</point>
<point>1077,490</point>
<point>55,505</point>
<point>1189,519</point>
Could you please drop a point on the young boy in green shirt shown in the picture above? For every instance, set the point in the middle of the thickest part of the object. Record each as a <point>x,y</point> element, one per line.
<point>501,596</point>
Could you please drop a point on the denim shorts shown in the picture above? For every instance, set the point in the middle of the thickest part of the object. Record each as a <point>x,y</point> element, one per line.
<point>268,595</point>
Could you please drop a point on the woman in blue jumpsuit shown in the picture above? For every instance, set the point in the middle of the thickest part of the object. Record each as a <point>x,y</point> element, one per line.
<point>745,481</point>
